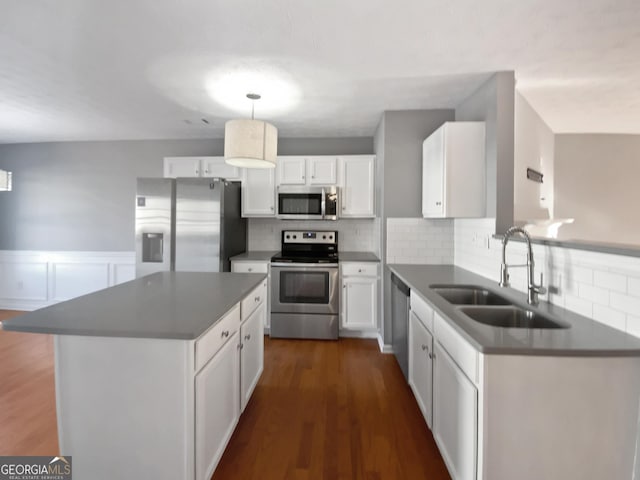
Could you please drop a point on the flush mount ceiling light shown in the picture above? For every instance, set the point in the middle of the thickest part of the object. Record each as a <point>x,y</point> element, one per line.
<point>250,143</point>
<point>5,181</point>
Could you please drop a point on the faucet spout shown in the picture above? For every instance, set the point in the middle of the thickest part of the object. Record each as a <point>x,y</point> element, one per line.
<point>533,290</point>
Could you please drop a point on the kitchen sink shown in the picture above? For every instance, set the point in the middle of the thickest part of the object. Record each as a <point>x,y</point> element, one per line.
<point>510,317</point>
<point>469,295</point>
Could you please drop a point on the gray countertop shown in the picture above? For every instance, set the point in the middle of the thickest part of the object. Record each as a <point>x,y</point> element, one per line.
<point>357,257</point>
<point>585,337</point>
<point>254,256</point>
<point>172,305</point>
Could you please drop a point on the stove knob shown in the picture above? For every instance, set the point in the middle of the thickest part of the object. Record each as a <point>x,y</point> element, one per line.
<point>288,237</point>
<point>324,237</point>
<point>330,237</point>
<point>295,236</point>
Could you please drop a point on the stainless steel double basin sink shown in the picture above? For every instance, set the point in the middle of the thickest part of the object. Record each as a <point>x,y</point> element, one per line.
<point>489,308</point>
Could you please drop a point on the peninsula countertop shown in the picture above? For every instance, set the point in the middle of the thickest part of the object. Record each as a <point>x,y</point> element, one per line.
<point>585,337</point>
<point>169,305</point>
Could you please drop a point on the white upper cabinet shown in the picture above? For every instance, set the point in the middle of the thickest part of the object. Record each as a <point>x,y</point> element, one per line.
<point>292,171</point>
<point>322,170</point>
<point>182,167</point>
<point>453,171</point>
<point>200,167</point>
<point>307,170</point>
<point>259,192</point>
<point>357,182</point>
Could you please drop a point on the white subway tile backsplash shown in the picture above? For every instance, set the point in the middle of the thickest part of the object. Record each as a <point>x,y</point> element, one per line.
<point>594,294</point>
<point>605,287</point>
<point>612,281</point>
<point>416,240</point>
<point>633,286</point>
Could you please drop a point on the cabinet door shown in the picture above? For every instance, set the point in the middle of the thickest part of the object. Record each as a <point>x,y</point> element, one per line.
<point>433,172</point>
<point>421,366</point>
<point>455,416</point>
<point>252,353</point>
<point>322,170</point>
<point>218,168</point>
<point>359,301</point>
<point>291,170</point>
<point>181,167</point>
<point>217,407</point>
<point>258,192</point>
<point>358,186</point>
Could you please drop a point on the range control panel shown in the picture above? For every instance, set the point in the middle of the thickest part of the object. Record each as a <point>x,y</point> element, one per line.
<point>314,237</point>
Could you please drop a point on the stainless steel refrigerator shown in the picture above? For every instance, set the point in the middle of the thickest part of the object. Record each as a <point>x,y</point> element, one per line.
<point>188,224</point>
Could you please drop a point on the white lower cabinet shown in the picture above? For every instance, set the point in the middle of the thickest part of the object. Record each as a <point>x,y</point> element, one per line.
<point>257,266</point>
<point>217,407</point>
<point>455,416</point>
<point>251,352</point>
<point>421,366</point>
<point>359,297</point>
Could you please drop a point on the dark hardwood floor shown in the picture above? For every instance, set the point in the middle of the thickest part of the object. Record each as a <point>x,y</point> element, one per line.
<point>331,410</point>
<point>322,410</point>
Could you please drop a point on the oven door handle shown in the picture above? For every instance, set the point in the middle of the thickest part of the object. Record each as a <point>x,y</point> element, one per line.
<point>294,265</point>
<point>323,203</point>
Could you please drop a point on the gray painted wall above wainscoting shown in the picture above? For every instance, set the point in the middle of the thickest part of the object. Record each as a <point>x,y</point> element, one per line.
<point>78,196</point>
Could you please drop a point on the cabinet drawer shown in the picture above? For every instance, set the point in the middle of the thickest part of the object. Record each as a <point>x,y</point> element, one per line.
<point>255,298</point>
<point>211,341</point>
<point>362,269</point>
<point>250,267</point>
<point>422,310</point>
<point>462,353</point>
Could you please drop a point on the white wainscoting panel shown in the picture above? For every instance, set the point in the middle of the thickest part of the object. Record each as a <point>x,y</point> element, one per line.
<point>34,279</point>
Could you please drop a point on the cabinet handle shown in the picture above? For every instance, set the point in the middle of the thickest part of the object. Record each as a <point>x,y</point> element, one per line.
<point>241,346</point>
<point>206,171</point>
<point>344,286</point>
<point>424,347</point>
<point>432,356</point>
<point>257,299</point>
<point>438,203</point>
<point>250,269</point>
<point>313,176</point>
<point>197,172</point>
<point>225,334</point>
<point>247,337</point>
<point>272,208</point>
<point>359,270</point>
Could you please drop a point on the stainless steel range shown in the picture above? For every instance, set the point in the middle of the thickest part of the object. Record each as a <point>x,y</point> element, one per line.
<point>304,293</point>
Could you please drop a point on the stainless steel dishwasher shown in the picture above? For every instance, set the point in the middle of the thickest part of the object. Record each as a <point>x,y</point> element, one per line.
<point>400,322</point>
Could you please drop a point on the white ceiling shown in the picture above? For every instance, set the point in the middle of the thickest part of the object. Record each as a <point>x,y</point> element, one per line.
<point>134,69</point>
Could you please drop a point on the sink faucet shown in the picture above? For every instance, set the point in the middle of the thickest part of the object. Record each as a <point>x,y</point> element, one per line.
<point>533,290</point>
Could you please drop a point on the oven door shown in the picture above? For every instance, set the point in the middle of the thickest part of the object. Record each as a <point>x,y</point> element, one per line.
<point>310,289</point>
<point>301,203</point>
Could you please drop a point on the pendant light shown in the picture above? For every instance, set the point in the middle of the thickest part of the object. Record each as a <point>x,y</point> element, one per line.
<point>250,143</point>
<point>5,181</point>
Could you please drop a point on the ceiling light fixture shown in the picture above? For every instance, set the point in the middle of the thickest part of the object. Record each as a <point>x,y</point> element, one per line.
<point>250,143</point>
<point>5,181</point>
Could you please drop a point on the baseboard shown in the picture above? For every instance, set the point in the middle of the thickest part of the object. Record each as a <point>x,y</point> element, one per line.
<point>383,347</point>
<point>358,334</point>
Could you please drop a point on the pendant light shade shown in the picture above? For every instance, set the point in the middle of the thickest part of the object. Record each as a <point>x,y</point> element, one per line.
<point>5,181</point>
<point>250,143</point>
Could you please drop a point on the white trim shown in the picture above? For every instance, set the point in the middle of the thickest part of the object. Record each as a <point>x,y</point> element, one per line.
<point>358,333</point>
<point>32,281</point>
<point>384,348</point>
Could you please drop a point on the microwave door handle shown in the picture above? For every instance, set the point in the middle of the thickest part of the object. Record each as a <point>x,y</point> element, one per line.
<point>323,203</point>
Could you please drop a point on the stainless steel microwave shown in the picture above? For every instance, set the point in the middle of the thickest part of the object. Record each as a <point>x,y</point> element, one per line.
<point>308,203</point>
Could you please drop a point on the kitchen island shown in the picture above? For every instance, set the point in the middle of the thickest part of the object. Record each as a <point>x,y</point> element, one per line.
<point>152,375</point>
<point>526,403</point>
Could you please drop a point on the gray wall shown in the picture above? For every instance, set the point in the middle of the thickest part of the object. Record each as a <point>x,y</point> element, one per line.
<point>398,147</point>
<point>79,195</point>
<point>404,132</point>
<point>493,103</point>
